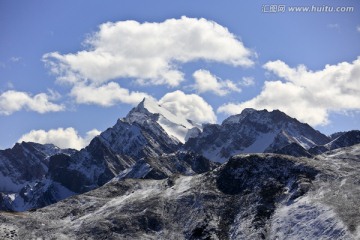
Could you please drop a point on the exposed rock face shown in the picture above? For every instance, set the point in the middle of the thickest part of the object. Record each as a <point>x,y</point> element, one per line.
<point>25,162</point>
<point>23,176</point>
<point>318,150</point>
<point>340,140</point>
<point>259,196</point>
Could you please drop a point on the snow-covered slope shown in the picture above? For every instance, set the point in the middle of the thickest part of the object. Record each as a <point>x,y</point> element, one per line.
<point>177,127</point>
<point>253,131</point>
<point>253,196</point>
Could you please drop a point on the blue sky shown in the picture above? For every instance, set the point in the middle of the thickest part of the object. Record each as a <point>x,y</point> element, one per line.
<point>304,63</point>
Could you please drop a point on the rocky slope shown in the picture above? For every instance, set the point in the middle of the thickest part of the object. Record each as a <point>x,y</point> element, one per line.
<point>253,196</point>
<point>253,132</point>
<point>24,163</point>
<point>142,136</point>
<point>339,140</point>
<point>23,176</point>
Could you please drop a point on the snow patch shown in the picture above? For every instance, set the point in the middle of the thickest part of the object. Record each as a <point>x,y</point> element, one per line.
<point>261,143</point>
<point>305,219</point>
<point>177,127</point>
<point>182,185</point>
<point>174,126</point>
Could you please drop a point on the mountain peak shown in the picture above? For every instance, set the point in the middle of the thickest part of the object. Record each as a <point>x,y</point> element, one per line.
<point>141,104</point>
<point>239,117</point>
<point>248,111</point>
<point>174,125</point>
<point>258,116</point>
<point>149,104</point>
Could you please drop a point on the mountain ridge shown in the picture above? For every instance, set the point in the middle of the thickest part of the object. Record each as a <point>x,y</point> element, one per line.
<point>252,196</point>
<point>140,146</point>
<point>253,131</point>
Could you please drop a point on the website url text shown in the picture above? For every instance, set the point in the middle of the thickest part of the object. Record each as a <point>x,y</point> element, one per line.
<point>273,8</point>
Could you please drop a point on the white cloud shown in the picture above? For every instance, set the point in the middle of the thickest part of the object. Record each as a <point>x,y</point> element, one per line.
<point>106,95</point>
<point>148,52</point>
<point>13,101</point>
<point>191,106</point>
<point>63,138</point>
<point>358,28</point>
<point>287,97</point>
<point>307,95</point>
<point>207,82</point>
<point>248,81</point>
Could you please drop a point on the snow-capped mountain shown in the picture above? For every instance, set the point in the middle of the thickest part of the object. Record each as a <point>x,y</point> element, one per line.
<point>253,131</point>
<point>252,196</point>
<point>177,127</point>
<point>150,143</point>
<point>147,132</point>
<point>149,177</point>
<point>147,138</point>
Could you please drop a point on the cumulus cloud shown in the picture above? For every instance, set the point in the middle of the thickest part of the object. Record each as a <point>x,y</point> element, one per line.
<point>150,53</point>
<point>106,95</point>
<point>307,95</point>
<point>289,98</point>
<point>13,101</point>
<point>191,106</point>
<point>63,138</point>
<point>207,82</point>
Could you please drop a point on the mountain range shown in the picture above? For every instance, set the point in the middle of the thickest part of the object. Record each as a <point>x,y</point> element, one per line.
<point>158,175</point>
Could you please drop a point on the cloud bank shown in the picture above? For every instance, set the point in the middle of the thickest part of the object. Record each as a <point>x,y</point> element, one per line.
<point>307,95</point>
<point>150,52</point>
<point>145,53</point>
<point>60,137</point>
<point>12,101</point>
